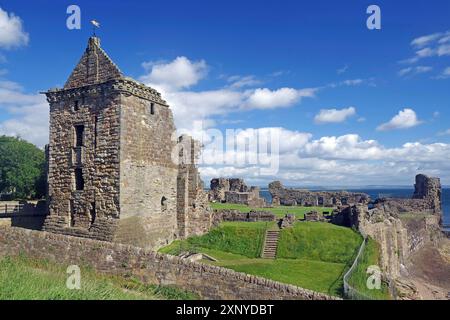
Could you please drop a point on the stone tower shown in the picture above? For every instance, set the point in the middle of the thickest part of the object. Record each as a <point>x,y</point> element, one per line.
<point>111,173</point>
<point>429,189</point>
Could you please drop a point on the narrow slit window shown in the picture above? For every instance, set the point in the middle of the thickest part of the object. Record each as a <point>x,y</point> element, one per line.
<point>95,132</point>
<point>152,108</point>
<point>93,213</point>
<point>79,133</point>
<point>76,105</point>
<point>79,181</point>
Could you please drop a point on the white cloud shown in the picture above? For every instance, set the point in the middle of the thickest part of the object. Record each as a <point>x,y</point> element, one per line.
<point>178,74</point>
<point>334,115</point>
<point>174,80</point>
<point>405,71</point>
<point>12,34</point>
<point>414,70</point>
<point>342,70</point>
<point>446,72</point>
<point>342,160</point>
<point>425,40</point>
<point>240,82</point>
<point>406,118</point>
<point>263,98</point>
<point>26,114</point>
<point>444,133</point>
<point>432,45</point>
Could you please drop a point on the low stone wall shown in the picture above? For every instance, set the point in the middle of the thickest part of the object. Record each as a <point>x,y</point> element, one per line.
<point>252,216</point>
<point>209,282</point>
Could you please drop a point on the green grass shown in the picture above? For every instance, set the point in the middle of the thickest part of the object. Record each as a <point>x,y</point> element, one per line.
<point>279,211</point>
<point>312,255</point>
<point>23,278</point>
<point>235,237</point>
<point>319,241</point>
<point>359,277</point>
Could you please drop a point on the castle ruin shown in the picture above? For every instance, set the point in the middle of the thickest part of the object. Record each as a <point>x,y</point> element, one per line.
<point>234,190</point>
<point>112,173</point>
<point>302,197</point>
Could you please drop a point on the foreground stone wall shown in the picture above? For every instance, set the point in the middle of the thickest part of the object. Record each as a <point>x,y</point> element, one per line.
<point>209,282</point>
<point>294,197</point>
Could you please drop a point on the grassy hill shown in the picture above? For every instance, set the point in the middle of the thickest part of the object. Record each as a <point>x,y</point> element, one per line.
<point>311,255</point>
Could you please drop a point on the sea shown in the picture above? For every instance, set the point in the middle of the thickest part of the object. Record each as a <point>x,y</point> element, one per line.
<point>376,193</point>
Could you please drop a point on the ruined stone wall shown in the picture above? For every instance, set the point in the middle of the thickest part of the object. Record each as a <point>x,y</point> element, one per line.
<point>294,197</point>
<point>218,187</point>
<point>236,215</point>
<point>93,211</point>
<point>400,226</point>
<point>194,215</point>
<point>426,198</point>
<point>235,190</point>
<point>209,282</point>
<point>148,175</point>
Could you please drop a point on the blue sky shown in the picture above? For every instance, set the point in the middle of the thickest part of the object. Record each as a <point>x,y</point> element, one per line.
<point>345,99</point>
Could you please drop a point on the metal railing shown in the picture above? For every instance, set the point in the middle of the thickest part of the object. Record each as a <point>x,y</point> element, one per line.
<point>10,209</point>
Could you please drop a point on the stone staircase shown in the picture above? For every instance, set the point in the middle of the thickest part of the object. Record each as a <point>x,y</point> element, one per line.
<point>270,244</point>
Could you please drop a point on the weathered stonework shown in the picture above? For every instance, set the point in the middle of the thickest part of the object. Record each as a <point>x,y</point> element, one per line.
<point>236,215</point>
<point>112,174</point>
<point>294,197</point>
<point>194,215</point>
<point>209,282</point>
<point>400,226</point>
<point>235,191</point>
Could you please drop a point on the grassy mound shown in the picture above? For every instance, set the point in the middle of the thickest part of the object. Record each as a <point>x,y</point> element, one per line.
<point>311,255</point>
<point>22,278</point>
<point>245,239</point>
<point>318,241</point>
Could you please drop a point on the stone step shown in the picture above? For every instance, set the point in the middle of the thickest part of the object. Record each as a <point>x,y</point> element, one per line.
<point>270,244</point>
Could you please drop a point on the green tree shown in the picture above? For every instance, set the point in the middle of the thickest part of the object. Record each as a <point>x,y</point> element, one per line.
<point>22,168</point>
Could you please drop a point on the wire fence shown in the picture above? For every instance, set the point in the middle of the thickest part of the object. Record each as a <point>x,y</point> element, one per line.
<point>352,293</point>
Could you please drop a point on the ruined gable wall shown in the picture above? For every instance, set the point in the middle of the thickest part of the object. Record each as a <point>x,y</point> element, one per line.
<point>92,212</point>
<point>148,176</point>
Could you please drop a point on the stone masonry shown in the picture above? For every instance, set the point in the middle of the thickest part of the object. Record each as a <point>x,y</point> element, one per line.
<point>294,197</point>
<point>111,171</point>
<point>235,190</point>
<point>207,281</point>
<point>400,226</point>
